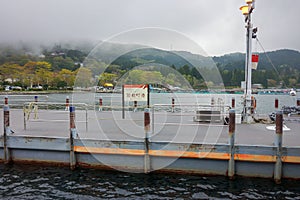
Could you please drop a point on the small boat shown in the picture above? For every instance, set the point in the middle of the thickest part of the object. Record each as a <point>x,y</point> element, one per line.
<point>293,92</point>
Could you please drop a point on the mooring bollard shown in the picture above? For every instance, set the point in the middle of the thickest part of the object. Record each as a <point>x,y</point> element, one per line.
<point>147,132</point>
<point>135,106</point>
<point>7,131</point>
<point>278,145</point>
<point>5,100</point>
<point>233,102</point>
<point>231,134</point>
<point>276,104</point>
<point>100,104</point>
<point>173,104</point>
<point>73,135</point>
<point>72,117</point>
<point>67,103</point>
<point>6,117</point>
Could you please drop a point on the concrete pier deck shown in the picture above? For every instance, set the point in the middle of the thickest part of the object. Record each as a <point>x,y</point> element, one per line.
<point>176,143</point>
<point>168,127</point>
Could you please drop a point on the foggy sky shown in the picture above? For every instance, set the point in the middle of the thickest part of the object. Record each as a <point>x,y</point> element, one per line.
<point>217,26</point>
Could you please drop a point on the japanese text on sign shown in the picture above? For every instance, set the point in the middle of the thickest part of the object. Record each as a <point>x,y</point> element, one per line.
<point>135,92</point>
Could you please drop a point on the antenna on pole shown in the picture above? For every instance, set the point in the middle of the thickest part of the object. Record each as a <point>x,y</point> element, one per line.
<point>247,10</point>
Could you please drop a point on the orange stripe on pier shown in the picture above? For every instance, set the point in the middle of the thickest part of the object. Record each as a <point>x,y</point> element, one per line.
<point>134,152</point>
<point>291,159</point>
<point>256,158</point>
<point>187,154</point>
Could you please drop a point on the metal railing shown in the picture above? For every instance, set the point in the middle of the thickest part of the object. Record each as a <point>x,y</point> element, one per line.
<point>16,101</point>
<point>37,107</point>
<point>216,114</point>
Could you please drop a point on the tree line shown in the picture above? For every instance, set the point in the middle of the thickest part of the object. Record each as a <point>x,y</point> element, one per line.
<point>58,68</point>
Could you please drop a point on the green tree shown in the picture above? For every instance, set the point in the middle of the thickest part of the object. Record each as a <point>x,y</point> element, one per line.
<point>36,73</point>
<point>59,63</point>
<point>67,76</point>
<point>107,78</point>
<point>5,71</point>
<point>185,70</point>
<point>190,79</point>
<point>42,73</point>
<point>171,79</point>
<point>96,67</point>
<point>84,77</point>
<point>138,76</point>
<point>292,82</point>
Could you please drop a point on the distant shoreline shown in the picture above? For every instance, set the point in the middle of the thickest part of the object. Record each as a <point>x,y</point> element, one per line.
<point>226,91</point>
<point>35,92</point>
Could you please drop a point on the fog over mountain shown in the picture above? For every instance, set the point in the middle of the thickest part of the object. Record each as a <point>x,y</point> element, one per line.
<point>216,26</point>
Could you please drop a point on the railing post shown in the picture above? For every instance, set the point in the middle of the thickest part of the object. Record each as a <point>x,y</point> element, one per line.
<point>276,104</point>
<point>278,145</point>
<point>36,98</point>
<point>72,136</point>
<point>233,102</point>
<point>147,131</point>
<point>6,100</point>
<point>135,106</point>
<point>212,102</point>
<point>24,116</point>
<point>231,134</point>
<point>100,103</point>
<point>253,104</point>
<point>35,107</point>
<point>152,121</point>
<point>173,104</point>
<point>67,103</point>
<point>86,118</point>
<point>7,131</point>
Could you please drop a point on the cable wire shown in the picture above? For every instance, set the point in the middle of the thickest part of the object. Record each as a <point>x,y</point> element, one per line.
<point>269,59</point>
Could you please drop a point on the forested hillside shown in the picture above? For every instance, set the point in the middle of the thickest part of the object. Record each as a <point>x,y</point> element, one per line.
<point>275,68</point>
<point>56,67</point>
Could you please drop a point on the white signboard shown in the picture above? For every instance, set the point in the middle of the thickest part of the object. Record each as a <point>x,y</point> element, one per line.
<point>135,92</point>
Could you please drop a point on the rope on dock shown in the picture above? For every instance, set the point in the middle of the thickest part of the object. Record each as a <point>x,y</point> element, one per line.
<point>32,106</point>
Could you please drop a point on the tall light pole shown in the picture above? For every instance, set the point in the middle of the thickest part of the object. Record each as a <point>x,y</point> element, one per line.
<point>247,11</point>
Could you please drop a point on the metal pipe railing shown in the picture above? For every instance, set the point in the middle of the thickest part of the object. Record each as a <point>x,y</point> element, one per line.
<point>33,106</point>
<point>224,112</point>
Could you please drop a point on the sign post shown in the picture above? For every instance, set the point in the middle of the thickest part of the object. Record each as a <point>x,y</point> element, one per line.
<point>135,93</point>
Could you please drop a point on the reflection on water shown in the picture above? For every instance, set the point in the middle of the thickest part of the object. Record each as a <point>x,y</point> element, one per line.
<point>39,182</point>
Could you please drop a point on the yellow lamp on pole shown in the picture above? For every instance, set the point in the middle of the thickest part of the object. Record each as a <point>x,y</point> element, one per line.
<point>245,10</point>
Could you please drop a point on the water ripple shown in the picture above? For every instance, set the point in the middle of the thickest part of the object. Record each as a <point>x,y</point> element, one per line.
<point>37,182</point>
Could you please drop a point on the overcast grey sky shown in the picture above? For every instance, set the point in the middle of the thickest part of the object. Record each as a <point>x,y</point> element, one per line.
<point>217,26</point>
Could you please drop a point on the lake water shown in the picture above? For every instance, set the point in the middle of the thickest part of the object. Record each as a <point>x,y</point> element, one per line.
<point>40,182</point>
<point>265,103</point>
